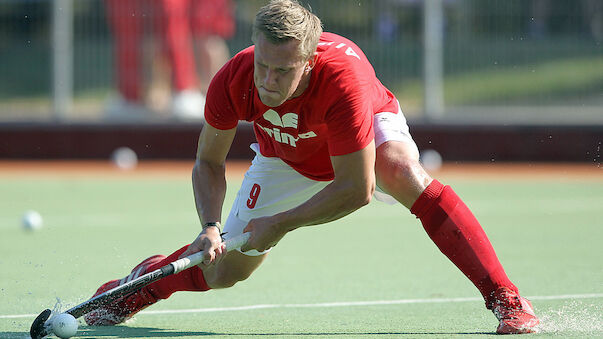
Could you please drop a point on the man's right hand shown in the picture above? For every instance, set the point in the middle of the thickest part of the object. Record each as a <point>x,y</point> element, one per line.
<point>210,242</point>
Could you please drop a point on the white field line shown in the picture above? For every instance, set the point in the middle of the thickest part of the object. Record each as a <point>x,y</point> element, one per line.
<point>337,304</point>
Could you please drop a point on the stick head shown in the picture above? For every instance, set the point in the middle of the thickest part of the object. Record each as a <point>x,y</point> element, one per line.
<point>38,328</point>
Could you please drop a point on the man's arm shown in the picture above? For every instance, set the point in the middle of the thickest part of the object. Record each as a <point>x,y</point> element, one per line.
<point>351,189</point>
<point>209,188</point>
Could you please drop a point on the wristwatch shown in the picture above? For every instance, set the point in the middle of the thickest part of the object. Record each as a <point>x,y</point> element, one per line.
<point>212,224</point>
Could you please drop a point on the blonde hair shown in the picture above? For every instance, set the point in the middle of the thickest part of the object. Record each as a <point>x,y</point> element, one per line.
<point>284,20</point>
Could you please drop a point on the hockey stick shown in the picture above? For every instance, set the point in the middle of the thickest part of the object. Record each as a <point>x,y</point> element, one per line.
<point>41,327</point>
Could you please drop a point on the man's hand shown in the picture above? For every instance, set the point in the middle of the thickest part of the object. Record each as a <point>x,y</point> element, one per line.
<point>264,234</point>
<point>210,242</point>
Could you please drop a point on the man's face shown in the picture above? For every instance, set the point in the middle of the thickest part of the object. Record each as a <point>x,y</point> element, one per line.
<point>278,71</point>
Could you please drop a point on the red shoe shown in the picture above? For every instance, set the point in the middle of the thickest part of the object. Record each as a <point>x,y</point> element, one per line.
<point>514,312</point>
<point>123,309</point>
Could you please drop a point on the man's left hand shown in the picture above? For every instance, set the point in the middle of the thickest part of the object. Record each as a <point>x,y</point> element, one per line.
<point>264,234</point>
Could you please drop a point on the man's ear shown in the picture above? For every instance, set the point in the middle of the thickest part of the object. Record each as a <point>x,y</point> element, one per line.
<point>312,62</point>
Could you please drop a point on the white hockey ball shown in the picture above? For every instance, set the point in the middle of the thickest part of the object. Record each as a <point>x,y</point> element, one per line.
<point>124,158</point>
<point>64,325</point>
<point>431,160</point>
<point>32,221</point>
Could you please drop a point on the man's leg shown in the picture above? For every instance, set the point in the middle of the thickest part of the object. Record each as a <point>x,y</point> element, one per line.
<point>270,186</point>
<point>233,268</point>
<point>236,266</point>
<point>187,100</point>
<point>177,42</point>
<point>455,230</point>
<point>445,217</point>
<point>125,20</point>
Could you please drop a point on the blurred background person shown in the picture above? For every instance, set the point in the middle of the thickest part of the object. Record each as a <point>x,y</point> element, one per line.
<point>125,19</point>
<point>213,23</point>
<point>178,79</point>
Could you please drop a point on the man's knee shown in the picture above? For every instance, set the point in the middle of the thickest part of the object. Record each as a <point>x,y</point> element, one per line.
<point>398,163</point>
<point>400,173</point>
<point>224,278</point>
<point>234,268</point>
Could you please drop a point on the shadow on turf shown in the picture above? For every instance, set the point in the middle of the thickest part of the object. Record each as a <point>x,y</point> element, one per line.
<point>352,334</point>
<point>149,332</point>
<point>117,332</point>
<point>14,335</point>
<point>134,332</point>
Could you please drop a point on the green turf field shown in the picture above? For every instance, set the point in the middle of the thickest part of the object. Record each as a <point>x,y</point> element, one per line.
<point>373,274</point>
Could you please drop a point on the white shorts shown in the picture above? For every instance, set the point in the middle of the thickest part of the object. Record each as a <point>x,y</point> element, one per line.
<point>271,186</point>
<point>391,127</point>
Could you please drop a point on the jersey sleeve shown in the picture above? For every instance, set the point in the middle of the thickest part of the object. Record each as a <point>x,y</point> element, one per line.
<point>219,108</point>
<point>349,116</point>
<point>350,123</point>
<point>230,92</point>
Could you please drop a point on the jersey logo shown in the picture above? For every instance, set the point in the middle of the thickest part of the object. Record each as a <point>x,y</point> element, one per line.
<point>289,120</point>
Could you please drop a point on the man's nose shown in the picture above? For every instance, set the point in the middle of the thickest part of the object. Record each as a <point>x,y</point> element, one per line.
<point>271,77</point>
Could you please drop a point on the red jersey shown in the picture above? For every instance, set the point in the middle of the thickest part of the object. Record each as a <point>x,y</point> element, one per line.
<point>333,116</point>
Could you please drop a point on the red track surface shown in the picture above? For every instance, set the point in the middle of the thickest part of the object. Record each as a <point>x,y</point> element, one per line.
<point>69,168</point>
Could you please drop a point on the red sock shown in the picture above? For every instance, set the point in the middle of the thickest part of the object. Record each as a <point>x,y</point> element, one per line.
<point>191,279</point>
<point>458,234</point>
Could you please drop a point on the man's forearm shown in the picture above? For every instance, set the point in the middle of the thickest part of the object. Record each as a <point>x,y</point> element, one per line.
<point>209,188</point>
<point>331,203</point>
<point>351,189</point>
